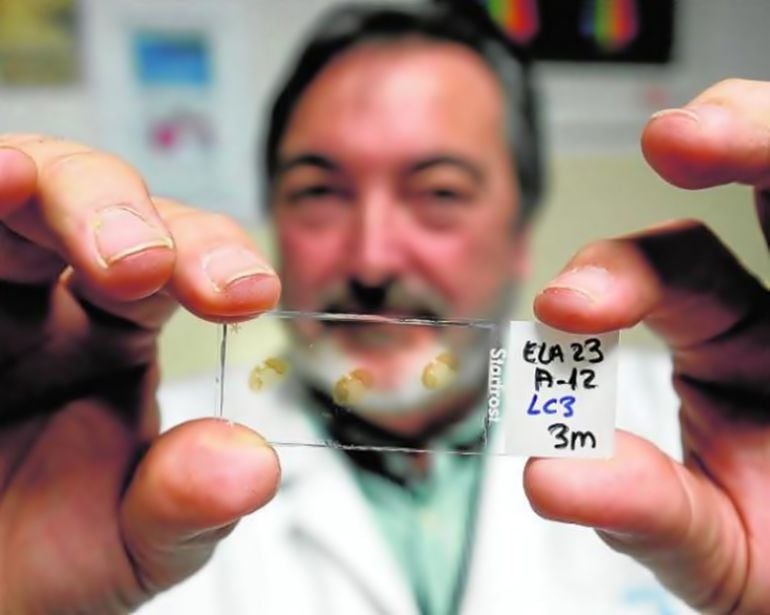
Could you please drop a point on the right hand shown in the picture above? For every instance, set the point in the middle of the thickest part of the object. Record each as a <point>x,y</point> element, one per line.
<point>97,510</point>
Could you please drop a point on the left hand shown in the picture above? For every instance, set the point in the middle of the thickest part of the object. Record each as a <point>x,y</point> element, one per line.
<point>702,526</point>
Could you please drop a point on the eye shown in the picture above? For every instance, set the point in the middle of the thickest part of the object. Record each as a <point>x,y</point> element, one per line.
<point>314,192</point>
<point>446,194</point>
<point>440,192</point>
<point>440,205</point>
<point>317,205</point>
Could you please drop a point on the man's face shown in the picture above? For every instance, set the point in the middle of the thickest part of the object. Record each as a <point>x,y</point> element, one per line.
<point>395,193</point>
<point>395,171</point>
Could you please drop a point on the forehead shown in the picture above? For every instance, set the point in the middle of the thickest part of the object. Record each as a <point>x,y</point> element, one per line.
<point>399,97</point>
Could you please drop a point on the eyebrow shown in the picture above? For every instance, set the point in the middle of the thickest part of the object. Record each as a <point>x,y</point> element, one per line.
<point>309,159</point>
<point>319,161</point>
<point>463,164</point>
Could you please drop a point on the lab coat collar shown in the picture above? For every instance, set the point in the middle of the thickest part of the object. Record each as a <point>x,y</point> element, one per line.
<point>328,511</point>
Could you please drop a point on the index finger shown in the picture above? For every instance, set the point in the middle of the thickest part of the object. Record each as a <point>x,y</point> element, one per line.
<point>721,136</point>
<point>17,179</point>
<point>94,211</point>
<point>681,281</point>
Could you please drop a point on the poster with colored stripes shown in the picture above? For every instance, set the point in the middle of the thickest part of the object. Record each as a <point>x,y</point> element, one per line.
<point>638,31</point>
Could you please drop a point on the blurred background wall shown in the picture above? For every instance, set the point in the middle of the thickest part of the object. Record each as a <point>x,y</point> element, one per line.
<point>120,96</point>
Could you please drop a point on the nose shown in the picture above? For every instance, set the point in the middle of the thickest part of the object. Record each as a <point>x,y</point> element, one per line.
<point>378,253</point>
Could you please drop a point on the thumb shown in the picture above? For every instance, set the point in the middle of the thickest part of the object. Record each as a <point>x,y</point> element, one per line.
<point>188,492</point>
<point>720,137</point>
<point>646,505</point>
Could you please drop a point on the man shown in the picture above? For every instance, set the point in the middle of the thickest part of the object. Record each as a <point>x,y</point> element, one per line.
<point>99,513</point>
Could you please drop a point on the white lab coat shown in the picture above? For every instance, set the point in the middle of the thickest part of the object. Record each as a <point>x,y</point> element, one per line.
<point>316,549</point>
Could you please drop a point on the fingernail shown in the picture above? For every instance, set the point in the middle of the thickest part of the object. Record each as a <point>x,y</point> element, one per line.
<point>235,437</point>
<point>228,266</point>
<point>677,112</point>
<point>121,232</point>
<point>590,282</point>
<point>619,538</point>
<point>240,443</point>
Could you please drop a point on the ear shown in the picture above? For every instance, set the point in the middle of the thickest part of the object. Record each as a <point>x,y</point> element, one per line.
<point>519,259</point>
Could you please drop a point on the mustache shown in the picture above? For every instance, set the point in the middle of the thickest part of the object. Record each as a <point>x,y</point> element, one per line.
<point>395,298</point>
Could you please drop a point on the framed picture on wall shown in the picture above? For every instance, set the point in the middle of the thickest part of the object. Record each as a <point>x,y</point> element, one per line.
<point>166,95</point>
<point>603,31</point>
<point>39,42</point>
<point>174,76</point>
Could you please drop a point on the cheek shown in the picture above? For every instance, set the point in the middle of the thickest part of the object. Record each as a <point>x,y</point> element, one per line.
<point>311,260</point>
<point>470,266</point>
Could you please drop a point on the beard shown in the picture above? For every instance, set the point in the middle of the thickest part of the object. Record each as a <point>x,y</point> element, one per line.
<point>392,369</point>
